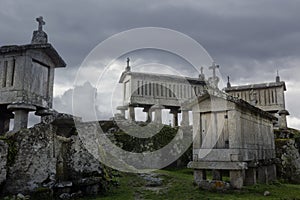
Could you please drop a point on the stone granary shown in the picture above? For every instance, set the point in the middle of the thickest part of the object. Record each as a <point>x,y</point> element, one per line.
<point>266,96</point>
<point>154,92</point>
<point>26,79</point>
<point>230,135</point>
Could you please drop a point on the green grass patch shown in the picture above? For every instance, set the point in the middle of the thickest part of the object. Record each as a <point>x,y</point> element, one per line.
<point>178,184</point>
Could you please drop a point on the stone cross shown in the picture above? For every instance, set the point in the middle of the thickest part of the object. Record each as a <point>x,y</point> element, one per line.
<point>214,67</point>
<point>41,23</point>
<point>228,82</point>
<point>128,60</point>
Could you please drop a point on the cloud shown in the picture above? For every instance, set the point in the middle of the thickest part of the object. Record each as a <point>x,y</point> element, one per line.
<point>249,39</point>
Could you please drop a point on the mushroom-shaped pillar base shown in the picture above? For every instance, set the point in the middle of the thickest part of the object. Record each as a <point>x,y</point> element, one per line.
<point>21,111</point>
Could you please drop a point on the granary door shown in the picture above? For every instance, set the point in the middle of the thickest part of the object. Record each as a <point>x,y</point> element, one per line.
<point>214,130</point>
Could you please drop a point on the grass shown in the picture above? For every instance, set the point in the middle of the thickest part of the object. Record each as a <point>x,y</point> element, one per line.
<point>178,184</point>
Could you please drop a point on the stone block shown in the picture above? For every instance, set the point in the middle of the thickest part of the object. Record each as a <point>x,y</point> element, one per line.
<point>236,179</point>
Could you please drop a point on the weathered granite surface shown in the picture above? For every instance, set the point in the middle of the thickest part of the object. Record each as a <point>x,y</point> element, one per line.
<point>3,161</point>
<point>51,157</point>
<point>289,160</point>
<point>36,153</point>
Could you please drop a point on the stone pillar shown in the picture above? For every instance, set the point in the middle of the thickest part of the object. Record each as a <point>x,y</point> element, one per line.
<point>122,110</point>
<point>236,179</point>
<point>45,115</point>
<point>262,174</point>
<point>157,113</point>
<point>185,116</point>
<point>216,175</point>
<point>131,113</point>
<point>148,112</point>
<point>199,175</point>
<point>4,125</point>
<point>4,121</point>
<point>271,173</point>
<point>282,120</point>
<point>175,117</point>
<point>21,119</point>
<point>250,176</point>
<point>21,114</point>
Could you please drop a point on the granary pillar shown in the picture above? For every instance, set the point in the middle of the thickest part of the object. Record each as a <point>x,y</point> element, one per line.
<point>131,113</point>
<point>174,111</point>
<point>122,110</point>
<point>199,175</point>
<point>271,173</point>
<point>148,112</point>
<point>4,121</point>
<point>262,174</point>
<point>157,113</point>
<point>267,174</point>
<point>250,176</point>
<point>282,119</point>
<point>236,178</point>
<point>216,175</point>
<point>185,116</point>
<point>21,114</point>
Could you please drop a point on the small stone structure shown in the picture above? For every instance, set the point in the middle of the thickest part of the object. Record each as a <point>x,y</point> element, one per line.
<point>266,96</point>
<point>26,79</point>
<point>232,135</point>
<point>154,92</point>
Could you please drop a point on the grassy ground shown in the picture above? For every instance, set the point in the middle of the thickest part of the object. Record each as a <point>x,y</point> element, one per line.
<point>178,184</point>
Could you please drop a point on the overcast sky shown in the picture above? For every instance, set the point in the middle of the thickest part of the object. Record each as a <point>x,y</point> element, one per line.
<point>250,40</point>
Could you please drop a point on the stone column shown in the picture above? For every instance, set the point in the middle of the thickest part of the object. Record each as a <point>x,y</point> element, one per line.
<point>250,176</point>
<point>122,110</point>
<point>236,179</point>
<point>262,174</point>
<point>45,115</point>
<point>4,121</point>
<point>282,120</point>
<point>21,114</point>
<point>148,112</point>
<point>216,175</point>
<point>131,113</point>
<point>157,113</point>
<point>199,175</point>
<point>185,116</point>
<point>271,173</point>
<point>175,116</point>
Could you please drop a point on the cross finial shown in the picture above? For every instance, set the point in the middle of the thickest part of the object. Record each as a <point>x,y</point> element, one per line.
<point>214,67</point>
<point>277,77</point>
<point>201,70</point>
<point>41,23</point>
<point>128,60</point>
<point>228,82</point>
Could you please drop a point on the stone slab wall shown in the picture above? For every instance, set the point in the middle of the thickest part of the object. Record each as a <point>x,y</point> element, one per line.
<point>3,161</point>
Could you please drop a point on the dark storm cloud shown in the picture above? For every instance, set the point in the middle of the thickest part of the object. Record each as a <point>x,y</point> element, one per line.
<point>249,39</point>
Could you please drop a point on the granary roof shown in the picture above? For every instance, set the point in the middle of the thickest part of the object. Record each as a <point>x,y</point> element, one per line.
<point>256,86</point>
<point>162,76</point>
<point>239,102</point>
<point>46,48</point>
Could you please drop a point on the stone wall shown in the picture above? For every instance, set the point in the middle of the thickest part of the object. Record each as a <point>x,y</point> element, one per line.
<point>3,161</point>
<point>288,165</point>
<point>47,158</point>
